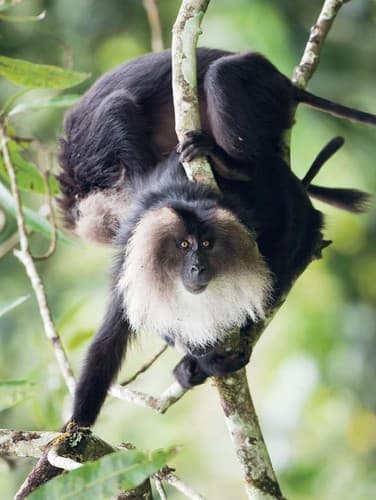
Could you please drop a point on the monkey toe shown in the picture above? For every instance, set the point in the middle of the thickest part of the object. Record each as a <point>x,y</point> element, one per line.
<point>196,143</point>
<point>190,152</point>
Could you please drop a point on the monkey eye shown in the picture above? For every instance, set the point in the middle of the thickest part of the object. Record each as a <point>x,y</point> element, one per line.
<point>184,244</point>
<point>206,244</point>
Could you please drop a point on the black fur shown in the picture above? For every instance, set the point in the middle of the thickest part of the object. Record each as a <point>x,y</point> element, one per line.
<point>124,124</point>
<point>274,205</point>
<point>102,363</point>
<point>122,131</point>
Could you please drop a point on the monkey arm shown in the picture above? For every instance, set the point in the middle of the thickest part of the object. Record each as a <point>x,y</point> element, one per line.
<point>102,363</point>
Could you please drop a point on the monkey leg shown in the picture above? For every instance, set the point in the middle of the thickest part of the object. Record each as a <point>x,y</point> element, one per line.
<point>105,140</point>
<point>102,363</point>
<point>249,105</point>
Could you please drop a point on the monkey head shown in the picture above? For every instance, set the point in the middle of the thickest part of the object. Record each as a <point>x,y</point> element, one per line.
<point>191,273</point>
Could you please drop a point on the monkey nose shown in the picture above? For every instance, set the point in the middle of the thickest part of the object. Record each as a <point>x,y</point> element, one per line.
<point>197,269</point>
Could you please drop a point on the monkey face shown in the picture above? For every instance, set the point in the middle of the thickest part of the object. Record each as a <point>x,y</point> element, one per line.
<point>192,278</point>
<point>196,269</point>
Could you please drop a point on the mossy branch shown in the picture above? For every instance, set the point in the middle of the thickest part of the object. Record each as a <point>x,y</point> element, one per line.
<point>259,477</point>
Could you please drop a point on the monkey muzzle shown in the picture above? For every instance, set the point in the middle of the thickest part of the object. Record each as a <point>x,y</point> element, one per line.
<point>196,278</point>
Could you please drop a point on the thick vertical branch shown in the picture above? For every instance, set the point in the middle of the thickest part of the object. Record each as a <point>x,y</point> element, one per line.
<point>185,34</point>
<point>259,477</point>
<point>241,419</point>
<point>245,432</point>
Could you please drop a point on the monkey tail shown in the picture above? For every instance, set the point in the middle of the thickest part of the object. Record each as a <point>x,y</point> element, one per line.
<point>68,186</point>
<point>351,200</point>
<point>327,152</point>
<point>334,108</point>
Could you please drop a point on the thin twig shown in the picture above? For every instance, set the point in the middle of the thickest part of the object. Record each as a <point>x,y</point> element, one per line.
<point>311,56</point>
<point>166,474</point>
<point>3,220</point>
<point>53,243</point>
<point>155,25</point>
<point>159,404</point>
<point>160,489</point>
<point>144,367</point>
<point>20,139</point>
<point>9,244</point>
<point>25,257</point>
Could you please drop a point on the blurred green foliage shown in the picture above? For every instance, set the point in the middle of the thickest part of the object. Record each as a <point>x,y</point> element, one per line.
<point>313,372</point>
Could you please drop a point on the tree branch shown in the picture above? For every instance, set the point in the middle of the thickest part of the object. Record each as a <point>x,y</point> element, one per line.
<point>241,419</point>
<point>234,394</point>
<point>155,25</point>
<point>24,443</point>
<point>185,34</point>
<point>160,404</point>
<point>57,451</point>
<point>24,255</point>
<point>167,475</point>
<point>144,367</point>
<point>9,244</point>
<point>51,212</point>
<point>311,56</point>
<point>259,476</point>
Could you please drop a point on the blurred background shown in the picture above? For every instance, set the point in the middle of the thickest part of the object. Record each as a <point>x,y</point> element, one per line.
<point>313,372</point>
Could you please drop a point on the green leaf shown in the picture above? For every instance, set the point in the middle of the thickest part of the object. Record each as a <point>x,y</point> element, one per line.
<point>62,101</point>
<point>33,220</point>
<point>4,308</point>
<point>106,477</point>
<point>6,4</point>
<point>69,315</point>
<point>13,392</point>
<point>39,75</point>
<point>29,178</point>
<point>79,338</point>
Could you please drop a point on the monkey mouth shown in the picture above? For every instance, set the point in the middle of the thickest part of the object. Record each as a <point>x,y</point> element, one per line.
<point>196,288</point>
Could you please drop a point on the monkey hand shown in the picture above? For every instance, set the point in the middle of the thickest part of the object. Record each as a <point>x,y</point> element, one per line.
<point>188,372</point>
<point>192,370</point>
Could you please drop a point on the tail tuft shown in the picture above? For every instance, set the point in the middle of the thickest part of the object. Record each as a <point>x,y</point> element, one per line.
<point>351,200</point>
